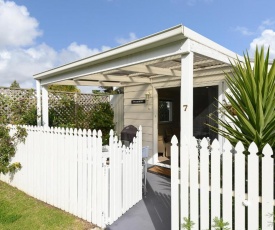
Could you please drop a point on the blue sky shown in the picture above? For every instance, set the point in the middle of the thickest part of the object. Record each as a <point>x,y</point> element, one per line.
<point>39,35</point>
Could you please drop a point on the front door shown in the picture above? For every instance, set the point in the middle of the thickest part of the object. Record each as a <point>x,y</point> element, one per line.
<point>205,103</point>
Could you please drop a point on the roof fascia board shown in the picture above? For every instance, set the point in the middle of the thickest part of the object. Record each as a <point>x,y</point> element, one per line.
<point>209,52</point>
<point>205,42</point>
<point>167,50</point>
<point>158,39</point>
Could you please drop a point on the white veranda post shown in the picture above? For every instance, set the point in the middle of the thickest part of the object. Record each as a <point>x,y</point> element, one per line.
<point>38,97</point>
<point>45,106</point>
<point>186,126</point>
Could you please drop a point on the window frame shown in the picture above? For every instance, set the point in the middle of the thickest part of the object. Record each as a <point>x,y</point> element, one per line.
<point>170,111</point>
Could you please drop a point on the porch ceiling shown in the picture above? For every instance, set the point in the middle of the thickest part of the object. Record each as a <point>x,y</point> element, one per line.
<point>150,72</point>
<point>154,59</point>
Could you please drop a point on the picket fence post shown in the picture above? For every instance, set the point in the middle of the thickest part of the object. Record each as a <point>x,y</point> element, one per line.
<point>184,153</point>
<point>253,188</point>
<point>204,184</point>
<point>94,181</point>
<point>194,184</point>
<point>139,163</point>
<point>89,175</point>
<point>240,186</point>
<point>99,180</point>
<point>174,184</point>
<point>267,190</point>
<point>227,183</point>
<point>215,179</point>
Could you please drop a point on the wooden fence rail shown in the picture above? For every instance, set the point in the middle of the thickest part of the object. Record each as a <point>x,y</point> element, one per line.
<point>68,169</point>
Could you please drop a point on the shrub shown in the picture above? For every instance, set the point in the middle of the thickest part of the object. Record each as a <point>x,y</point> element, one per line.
<point>11,114</point>
<point>101,117</point>
<point>251,97</point>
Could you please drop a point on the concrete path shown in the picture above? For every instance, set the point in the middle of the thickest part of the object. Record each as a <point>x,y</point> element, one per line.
<point>153,212</point>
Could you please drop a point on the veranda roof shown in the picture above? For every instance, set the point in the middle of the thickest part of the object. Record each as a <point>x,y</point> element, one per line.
<point>155,59</point>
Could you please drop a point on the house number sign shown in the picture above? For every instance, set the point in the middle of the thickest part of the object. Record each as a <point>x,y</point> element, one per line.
<point>138,101</point>
<point>185,107</point>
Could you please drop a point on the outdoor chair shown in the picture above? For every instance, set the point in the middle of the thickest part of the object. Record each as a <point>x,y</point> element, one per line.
<point>145,152</point>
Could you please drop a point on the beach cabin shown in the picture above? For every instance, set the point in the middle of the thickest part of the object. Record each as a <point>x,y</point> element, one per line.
<point>171,81</point>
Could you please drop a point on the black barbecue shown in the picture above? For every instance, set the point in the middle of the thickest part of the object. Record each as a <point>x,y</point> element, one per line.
<point>128,134</point>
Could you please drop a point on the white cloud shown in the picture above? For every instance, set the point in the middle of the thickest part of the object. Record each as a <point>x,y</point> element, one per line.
<point>74,52</point>
<point>266,39</point>
<point>20,57</point>
<point>132,37</point>
<point>20,64</point>
<point>268,23</point>
<point>264,35</point>
<point>17,26</point>
<point>244,30</point>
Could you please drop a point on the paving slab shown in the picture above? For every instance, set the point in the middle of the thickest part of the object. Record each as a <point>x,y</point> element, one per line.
<point>153,212</point>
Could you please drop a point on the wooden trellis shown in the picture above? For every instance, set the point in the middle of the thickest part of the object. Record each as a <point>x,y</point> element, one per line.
<point>65,107</point>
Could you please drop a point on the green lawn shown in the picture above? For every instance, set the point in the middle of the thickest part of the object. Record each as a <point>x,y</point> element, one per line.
<point>20,211</point>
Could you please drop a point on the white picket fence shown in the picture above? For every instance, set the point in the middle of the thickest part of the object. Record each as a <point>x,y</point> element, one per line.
<point>196,186</point>
<point>66,168</point>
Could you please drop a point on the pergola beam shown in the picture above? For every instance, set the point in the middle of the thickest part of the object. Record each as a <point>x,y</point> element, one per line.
<point>204,62</point>
<point>108,77</point>
<point>152,70</point>
<point>196,74</point>
<point>89,83</point>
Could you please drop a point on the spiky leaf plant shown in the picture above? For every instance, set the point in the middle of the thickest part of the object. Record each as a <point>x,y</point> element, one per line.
<point>252,98</point>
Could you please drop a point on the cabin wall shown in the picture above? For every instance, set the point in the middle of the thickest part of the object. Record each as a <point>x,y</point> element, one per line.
<point>146,114</point>
<point>140,114</point>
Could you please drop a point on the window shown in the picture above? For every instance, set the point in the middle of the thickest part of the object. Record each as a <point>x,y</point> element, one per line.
<point>165,111</point>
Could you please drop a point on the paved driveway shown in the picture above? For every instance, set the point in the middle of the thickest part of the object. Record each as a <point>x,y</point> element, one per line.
<point>153,212</point>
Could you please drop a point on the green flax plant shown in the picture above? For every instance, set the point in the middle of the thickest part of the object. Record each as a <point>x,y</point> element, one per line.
<point>250,114</point>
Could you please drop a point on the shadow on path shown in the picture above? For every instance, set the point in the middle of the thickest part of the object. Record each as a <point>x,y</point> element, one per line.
<point>153,212</point>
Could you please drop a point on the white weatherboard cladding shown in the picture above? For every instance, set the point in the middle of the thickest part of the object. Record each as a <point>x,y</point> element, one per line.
<point>140,114</point>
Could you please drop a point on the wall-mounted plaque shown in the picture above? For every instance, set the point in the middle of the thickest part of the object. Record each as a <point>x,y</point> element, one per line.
<point>138,101</point>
